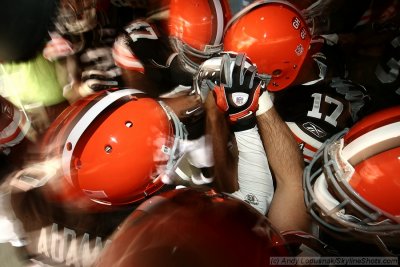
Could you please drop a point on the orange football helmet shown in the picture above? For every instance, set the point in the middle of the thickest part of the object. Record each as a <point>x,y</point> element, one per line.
<point>116,145</point>
<point>14,125</point>
<point>274,36</point>
<point>189,228</point>
<point>196,28</point>
<point>356,188</point>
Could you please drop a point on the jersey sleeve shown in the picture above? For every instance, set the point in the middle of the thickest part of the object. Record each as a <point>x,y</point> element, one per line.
<point>147,44</point>
<point>256,185</point>
<point>143,47</point>
<point>124,57</point>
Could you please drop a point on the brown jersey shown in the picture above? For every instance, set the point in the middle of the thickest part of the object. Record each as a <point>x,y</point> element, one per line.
<point>66,229</point>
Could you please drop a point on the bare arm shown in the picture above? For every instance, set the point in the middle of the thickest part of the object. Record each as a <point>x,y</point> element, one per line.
<point>287,210</point>
<point>137,80</point>
<point>225,160</point>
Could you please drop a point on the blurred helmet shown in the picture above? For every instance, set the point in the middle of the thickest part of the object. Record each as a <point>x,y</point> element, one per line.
<point>274,36</point>
<point>196,28</point>
<point>185,227</point>
<point>116,145</point>
<point>352,184</point>
<point>14,125</point>
<point>76,16</point>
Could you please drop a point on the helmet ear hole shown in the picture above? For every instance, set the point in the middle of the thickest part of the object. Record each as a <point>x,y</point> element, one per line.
<point>277,73</point>
<point>108,149</point>
<point>69,146</point>
<point>128,124</point>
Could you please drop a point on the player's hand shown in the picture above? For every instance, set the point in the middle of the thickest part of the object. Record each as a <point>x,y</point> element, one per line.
<point>57,47</point>
<point>188,107</point>
<point>237,90</point>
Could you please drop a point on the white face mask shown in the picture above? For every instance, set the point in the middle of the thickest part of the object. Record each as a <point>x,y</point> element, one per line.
<point>74,21</point>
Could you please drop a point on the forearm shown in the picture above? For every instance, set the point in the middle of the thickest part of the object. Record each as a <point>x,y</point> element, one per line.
<point>287,165</point>
<point>254,176</point>
<point>281,148</point>
<point>225,159</point>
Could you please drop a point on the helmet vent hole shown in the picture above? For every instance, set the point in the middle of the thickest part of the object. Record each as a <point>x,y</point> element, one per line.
<point>128,124</point>
<point>108,149</point>
<point>277,72</point>
<point>69,146</point>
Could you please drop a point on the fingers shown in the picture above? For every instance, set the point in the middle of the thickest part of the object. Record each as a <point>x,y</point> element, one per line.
<point>238,69</point>
<point>241,74</point>
<point>210,84</point>
<point>225,72</point>
<point>250,75</point>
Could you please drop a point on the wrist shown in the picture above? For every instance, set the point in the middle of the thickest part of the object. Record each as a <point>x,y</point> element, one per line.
<point>244,124</point>
<point>264,103</point>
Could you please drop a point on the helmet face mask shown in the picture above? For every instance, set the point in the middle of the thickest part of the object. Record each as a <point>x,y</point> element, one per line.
<point>116,145</point>
<point>76,17</point>
<point>274,36</point>
<point>190,57</point>
<point>350,185</point>
<point>196,29</point>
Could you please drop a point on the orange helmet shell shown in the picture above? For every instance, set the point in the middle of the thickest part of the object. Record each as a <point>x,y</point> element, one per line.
<point>372,146</point>
<point>114,145</point>
<point>352,184</point>
<point>380,172</point>
<point>184,227</point>
<point>274,36</point>
<point>198,24</point>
